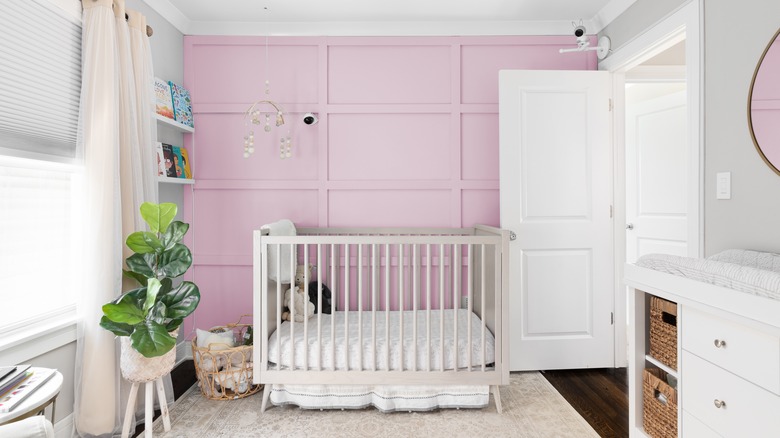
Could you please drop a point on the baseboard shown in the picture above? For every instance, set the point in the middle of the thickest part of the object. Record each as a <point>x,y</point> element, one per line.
<point>64,427</point>
<point>183,352</point>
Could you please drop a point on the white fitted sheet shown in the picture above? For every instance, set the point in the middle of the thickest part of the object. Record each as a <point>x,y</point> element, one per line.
<point>327,359</point>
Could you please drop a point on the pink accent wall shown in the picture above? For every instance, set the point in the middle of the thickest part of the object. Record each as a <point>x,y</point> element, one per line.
<point>407,136</point>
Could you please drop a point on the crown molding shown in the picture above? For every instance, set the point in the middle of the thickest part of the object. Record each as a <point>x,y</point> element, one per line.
<point>385,28</point>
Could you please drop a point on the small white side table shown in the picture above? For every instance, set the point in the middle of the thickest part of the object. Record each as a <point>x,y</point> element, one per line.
<point>37,401</point>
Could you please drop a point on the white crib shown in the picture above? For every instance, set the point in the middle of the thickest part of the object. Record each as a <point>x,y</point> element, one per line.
<point>411,307</point>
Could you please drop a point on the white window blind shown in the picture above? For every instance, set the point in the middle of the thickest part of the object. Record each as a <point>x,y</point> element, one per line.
<point>40,81</point>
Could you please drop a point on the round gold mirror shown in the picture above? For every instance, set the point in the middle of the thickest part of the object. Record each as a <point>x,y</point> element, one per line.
<point>764,105</point>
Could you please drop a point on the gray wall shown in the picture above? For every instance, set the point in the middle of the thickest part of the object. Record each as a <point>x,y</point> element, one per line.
<point>735,35</point>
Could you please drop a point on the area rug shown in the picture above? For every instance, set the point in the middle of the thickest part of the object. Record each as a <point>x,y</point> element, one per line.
<point>532,408</point>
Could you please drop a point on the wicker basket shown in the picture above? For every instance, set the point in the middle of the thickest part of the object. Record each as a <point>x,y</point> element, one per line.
<point>225,372</point>
<point>660,404</point>
<point>663,331</point>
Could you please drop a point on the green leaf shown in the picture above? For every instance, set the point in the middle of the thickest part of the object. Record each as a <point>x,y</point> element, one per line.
<point>152,339</point>
<point>173,324</point>
<point>143,264</point>
<point>152,289</point>
<point>116,328</point>
<point>158,216</point>
<point>140,278</point>
<point>174,234</point>
<point>158,313</point>
<point>182,301</point>
<point>144,242</point>
<point>125,311</point>
<point>175,261</point>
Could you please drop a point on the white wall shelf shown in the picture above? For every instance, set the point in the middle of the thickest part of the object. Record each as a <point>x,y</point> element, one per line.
<point>169,180</point>
<point>174,124</point>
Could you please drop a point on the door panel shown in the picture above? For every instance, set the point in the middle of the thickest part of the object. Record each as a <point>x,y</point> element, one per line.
<point>556,191</point>
<point>656,176</point>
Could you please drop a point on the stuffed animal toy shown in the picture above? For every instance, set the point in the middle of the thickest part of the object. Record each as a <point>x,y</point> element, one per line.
<point>296,297</point>
<point>326,297</point>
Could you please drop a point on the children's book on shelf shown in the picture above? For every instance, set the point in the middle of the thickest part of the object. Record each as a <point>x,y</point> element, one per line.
<point>170,161</point>
<point>163,103</point>
<point>182,104</point>
<point>160,159</point>
<point>184,160</point>
<point>177,162</point>
<point>19,393</point>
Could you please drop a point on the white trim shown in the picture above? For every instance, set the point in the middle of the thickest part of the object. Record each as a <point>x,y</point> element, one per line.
<point>183,352</point>
<point>64,427</point>
<point>681,24</point>
<point>656,73</point>
<point>179,20</point>
<point>37,339</point>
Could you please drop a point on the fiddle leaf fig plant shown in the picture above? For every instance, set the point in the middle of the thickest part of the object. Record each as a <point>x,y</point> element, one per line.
<point>147,314</point>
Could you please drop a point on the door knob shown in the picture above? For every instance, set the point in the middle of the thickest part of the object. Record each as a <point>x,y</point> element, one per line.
<point>629,226</point>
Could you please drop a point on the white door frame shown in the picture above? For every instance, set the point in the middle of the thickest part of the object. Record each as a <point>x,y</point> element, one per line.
<point>683,24</point>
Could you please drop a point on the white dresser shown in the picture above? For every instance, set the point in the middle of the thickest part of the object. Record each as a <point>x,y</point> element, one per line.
<point>728,369</point>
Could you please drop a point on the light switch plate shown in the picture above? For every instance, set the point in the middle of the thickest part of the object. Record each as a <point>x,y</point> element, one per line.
<point>723,188</point>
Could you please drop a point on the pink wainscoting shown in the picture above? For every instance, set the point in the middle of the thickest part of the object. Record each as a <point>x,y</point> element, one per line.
<point>407,136</point>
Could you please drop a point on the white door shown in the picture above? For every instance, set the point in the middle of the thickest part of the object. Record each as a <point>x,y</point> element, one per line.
<point>656,175</point>
<point>556,191</point>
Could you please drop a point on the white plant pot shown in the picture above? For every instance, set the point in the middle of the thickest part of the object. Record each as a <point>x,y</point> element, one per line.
<point>139,368</point>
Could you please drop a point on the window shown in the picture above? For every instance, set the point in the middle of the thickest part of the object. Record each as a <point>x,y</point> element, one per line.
<point>40,80</point>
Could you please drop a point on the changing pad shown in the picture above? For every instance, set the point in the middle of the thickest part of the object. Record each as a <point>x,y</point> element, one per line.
<point>753,272</point>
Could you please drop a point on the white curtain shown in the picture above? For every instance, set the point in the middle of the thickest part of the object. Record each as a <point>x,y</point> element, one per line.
<point>116,181</point>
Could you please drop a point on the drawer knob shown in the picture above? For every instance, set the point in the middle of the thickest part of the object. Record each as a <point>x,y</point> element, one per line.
<point>719,343</point>
<point>720,404</point>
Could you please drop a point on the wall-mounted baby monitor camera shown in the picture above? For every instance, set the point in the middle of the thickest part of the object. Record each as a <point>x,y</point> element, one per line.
<point>579,31</point>
<point>310,119</point>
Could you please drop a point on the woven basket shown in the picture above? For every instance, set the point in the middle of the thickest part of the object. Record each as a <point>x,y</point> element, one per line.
<point>663,331</point>
<point>224,372</point>
<point>139,368</point>
<point>660,405</point>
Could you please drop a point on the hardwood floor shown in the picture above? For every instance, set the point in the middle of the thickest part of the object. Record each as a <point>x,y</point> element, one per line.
<point>599,395</point>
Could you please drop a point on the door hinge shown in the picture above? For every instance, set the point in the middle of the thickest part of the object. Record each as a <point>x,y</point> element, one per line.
<point>610,212</point>
<point>610,104</point>
<point>611,318</point>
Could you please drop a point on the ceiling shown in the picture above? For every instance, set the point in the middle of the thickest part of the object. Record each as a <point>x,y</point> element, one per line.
<point>398,17</point>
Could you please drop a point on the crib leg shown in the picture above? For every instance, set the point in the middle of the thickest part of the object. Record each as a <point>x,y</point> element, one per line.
<point>497,397</point>
<point>266,396</point>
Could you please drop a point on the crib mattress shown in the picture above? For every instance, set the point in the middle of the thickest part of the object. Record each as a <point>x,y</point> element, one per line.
<point>321,354</point>
<point>729,274</point>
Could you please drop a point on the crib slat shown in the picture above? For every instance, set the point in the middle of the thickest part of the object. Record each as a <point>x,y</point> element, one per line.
<point>387,306</point>
<point>292,306</point>
<point>319,307</point>
<point>441,306</point>
<point>470,298</point>
<point>428,304</point>
<point>482,294</point>
<point>333,261</point>
<point>279,300</point>
<point>305,307</point>
<point>374,299</point>
<point>455,262</point>
<point>401,303</point>
<point>415,298</point>
<point>347,303</point>
<point>360,305</point>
